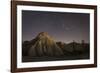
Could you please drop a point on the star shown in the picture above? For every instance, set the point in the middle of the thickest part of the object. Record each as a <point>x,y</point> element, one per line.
<point>65,27</point>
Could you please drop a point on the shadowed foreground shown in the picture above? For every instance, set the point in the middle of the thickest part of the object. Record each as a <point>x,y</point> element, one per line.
<point>38,59</point>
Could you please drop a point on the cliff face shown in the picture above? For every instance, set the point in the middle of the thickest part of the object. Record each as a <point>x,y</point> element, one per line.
<point>44,45</point>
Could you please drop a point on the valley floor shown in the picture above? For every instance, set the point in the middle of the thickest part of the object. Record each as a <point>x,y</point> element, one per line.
<point>45,58</point>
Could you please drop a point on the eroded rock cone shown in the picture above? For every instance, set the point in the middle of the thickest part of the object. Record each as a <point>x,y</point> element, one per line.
<point>44,45</point>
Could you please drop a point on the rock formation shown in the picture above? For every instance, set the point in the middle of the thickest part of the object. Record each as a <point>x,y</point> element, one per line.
<point>44,45</point>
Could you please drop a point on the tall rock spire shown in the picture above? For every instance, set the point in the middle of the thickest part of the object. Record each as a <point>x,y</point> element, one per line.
<point>44,45</point>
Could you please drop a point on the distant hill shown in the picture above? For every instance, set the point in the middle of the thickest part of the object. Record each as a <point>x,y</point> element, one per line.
<point>74,48</point>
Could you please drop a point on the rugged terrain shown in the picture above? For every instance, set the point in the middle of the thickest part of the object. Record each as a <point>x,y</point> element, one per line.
<point>44,48</point>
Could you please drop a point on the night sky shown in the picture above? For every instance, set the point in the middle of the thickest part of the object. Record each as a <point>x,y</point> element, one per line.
<point>64,27</point>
